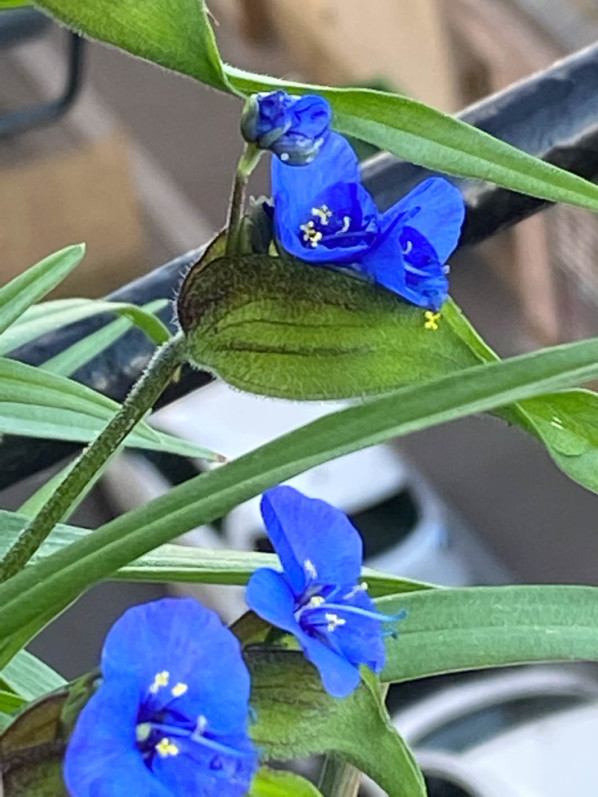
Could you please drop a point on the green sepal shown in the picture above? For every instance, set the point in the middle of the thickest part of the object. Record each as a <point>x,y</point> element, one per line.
<point>286,329</point>
<point>297,718</point>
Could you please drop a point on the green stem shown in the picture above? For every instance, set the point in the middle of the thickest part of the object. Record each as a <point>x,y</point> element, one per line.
<point>247,163</point>
<point>141,398</point>
<point>339,778</point>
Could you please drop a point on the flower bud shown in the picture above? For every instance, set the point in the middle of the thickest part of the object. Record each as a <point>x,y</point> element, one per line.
<point>293,128</point>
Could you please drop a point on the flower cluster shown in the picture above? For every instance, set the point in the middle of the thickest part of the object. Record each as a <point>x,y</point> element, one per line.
<point>170,717</point>
<point>324,216</point>
<point>171,714</point>
<point>319,598</point>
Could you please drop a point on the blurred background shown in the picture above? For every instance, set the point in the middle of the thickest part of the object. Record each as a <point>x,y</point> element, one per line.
<point>137,162</point>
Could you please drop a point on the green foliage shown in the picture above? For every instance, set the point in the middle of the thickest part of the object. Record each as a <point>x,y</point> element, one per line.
<point>467,629</point>
<point>36,282</point>
<point>296,718</point>
<point>185,564</point>
<point>56,580</point>
<point>81,352</point>
<point>27,676</point>
<point>173,33</point>
<point>177,34</point>
<point>276,783</point>
<point>47,316</point>
<point>37,403</point>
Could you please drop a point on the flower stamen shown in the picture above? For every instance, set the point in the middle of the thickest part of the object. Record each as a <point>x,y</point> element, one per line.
<point>431,320</point>
<point>323,213</point>
<point>161,679</point>
<point>166,748</point>
<point>311,236</point>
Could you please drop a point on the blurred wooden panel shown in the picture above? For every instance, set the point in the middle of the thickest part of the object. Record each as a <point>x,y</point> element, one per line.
<point>341,42</point>
<point>83,195</point>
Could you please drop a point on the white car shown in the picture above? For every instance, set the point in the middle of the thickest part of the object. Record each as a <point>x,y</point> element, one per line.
<point>527,732</point>
<point>407,530</point>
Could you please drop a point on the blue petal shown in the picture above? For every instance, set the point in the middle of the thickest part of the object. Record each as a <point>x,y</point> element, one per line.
<point>269,595</point>
<point>205,773</point>
<point>383,262</point>
<point>295,187</point>
<point>339,676</point>
<point>435,208</point>
<point>315,541</point>
<point>360,639</point>
<point>181,637</point>
<point>102,759</point>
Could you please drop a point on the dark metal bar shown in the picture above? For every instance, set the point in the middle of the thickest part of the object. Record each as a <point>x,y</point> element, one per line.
<point>44,113</point>
<point>553,115</point>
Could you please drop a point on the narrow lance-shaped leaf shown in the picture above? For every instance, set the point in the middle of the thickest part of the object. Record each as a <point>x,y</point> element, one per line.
<point>56,580</point>
<point>33,284</point>
<point>184,563</point>
<point>73,357</point>
<point>37,403</point>
<point>476,627</point>
<point>173,33</point>
<point>430,138</point>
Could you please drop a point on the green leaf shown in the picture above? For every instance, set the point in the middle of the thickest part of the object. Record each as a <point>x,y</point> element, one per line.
<point>36,403</point>
<point>32,747</point>
<point>185,564</point>
<point>57,579</point>
<point>28,677</point>
<point>29,287</point>
<point>471,628</point>
<point>178,35</point>
<point>283,328</point>
<point>275,783</point>
<point>566,422</point>
<point>80,353</point>
<point>47,316</point>
<point>10,702</point>
<point>173,33</point>
<point>269,332</point>
<point>297,718</point>
<point>6,4</point>
<point>429,138</point>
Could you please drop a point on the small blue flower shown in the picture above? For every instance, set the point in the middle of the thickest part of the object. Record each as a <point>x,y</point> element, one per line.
<point>170,717</point>
<point>294,128</point>
<point>323,215</point>
<point>318,597</point>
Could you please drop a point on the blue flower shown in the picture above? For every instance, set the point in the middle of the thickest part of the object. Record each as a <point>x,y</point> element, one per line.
<point>294,128</point>
<point>323,215</point>
<point>318,597</point>
<point>170,717</point>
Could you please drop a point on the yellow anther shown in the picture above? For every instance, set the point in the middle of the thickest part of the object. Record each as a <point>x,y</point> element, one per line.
<point>315,601</point>
<point>323,213</point>
<point>431,319</point>
<point>310,234</point>
<point>179,689</point>
<point>333,621</point>
<point>165,747</point>
<point>160,680</point>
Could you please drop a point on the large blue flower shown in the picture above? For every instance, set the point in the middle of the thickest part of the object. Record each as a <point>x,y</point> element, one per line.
<point>170,717</point>
<point>318,597</point>
<point>294,128</point>
<point>323,214</point>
